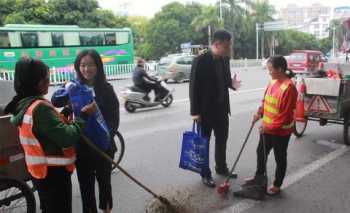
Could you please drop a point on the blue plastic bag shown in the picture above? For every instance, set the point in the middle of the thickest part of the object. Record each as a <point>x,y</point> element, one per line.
<point>194,151</point>
<point>80,95</point>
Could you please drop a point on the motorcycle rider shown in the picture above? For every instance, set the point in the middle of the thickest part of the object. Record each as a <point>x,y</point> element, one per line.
<point>147,83</point>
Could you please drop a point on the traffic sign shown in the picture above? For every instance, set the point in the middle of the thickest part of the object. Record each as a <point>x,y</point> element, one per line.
<point>185,45</point>
<point>318,104</point>
<point>275,25</point>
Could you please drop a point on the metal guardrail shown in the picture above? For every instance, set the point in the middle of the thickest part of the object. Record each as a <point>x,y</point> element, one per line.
<point>120,71</point>
<point>245,63</point>
<point>59,76</point>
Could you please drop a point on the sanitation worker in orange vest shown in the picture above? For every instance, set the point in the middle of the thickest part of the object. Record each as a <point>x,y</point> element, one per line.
<point>277,112</point>
<point>47,139</point>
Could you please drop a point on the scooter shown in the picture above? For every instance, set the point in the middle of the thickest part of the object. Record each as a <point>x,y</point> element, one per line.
<point>136,98</point>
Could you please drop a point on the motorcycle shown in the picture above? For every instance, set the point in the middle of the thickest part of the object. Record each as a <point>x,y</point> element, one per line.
<point>136,98</point>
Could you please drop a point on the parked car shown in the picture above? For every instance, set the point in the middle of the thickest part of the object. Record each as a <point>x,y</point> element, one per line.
<point>151,66</point>
<point>323,58</point>
<point>305,61</point>
<point>175,67</point>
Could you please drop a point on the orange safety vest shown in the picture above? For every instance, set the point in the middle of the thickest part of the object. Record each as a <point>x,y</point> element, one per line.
<point>272,101</point>
<point>36,159</point>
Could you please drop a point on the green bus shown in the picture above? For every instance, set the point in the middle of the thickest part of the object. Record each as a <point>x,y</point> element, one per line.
<point>58,45</point>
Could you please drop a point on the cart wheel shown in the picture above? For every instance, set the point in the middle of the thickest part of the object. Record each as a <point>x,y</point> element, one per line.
<point>300,127</point>
<point>346,128</point>
<point>120,145</point>
<point>16,196</point>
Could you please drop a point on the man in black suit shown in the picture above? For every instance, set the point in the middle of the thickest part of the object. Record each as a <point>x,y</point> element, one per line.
<point>209,97</point>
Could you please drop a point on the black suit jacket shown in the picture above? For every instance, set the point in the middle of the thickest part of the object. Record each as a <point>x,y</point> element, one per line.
<point>204,88</point>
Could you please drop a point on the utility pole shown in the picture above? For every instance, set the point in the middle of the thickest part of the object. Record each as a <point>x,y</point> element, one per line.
<point>333,42</point>
<point>262,41</point>
<point>209,35</point>
<point>257,26</point>
<point>220,5</point>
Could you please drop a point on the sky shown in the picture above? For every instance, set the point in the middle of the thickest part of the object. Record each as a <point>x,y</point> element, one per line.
<point>150,7</point>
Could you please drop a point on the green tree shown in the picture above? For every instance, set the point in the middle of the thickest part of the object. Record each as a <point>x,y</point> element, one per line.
<point>244,46</point>
<point>70,12</point>
<point>6,8</point>
<point>28,12</point>
<point>325,45</point>
<point>138,25</point>
<point>169,28</point>
<point>233,17</point>
<point>208,19</point>
<point>241,22</point>
<point>290,40</point>
<point>263,11</point>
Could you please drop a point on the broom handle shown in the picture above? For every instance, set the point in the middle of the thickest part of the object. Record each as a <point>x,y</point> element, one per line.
<point>240,152</point>
<point>110,160</point>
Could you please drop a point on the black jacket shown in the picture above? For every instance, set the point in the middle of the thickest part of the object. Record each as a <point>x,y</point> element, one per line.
<point>140,77</point>
<point>204,88</point>
<point>108,103</point>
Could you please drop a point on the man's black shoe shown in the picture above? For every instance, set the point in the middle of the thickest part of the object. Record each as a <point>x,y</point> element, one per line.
<point>208,181</point>
<point>225,172</point>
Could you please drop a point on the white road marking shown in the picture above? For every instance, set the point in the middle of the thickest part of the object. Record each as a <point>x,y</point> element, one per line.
<point>246,204</point>
<point>331,144</point>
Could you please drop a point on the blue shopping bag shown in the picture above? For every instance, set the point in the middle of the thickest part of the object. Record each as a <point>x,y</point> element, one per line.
<point>194,151</point>
<point>79,95</point>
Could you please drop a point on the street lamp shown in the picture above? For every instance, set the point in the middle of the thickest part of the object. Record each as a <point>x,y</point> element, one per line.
<point>333,42</point>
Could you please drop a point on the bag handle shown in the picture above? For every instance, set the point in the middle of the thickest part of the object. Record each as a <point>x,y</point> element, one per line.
<point>197,126</point>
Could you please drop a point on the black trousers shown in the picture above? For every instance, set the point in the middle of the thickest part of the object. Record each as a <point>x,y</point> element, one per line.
<point>219,125</point>
<point>55,191</point>
<point>90,167</point>
<point>158,89</point>
<point>279,144</point>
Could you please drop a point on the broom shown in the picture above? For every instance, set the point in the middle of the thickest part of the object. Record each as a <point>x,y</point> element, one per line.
<point>225,187</point>
<point>163,200</point>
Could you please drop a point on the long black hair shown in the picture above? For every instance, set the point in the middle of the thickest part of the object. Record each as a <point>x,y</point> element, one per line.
<point>278,61</point>
<point>100,78</point>
<point>28,74</point>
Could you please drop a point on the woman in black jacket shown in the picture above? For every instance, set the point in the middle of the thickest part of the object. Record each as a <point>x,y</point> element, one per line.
<point>89,68</point>
<point>90,165</point>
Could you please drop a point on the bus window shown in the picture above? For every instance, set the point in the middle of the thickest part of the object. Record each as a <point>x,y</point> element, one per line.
<point>91,38</point>
<point>45,39</point>
<point>71,39</point>
<point>57,39</point>
<point>4,39</point>
<point>122,37</point>
<point>15,39</point>
<point>110,38</point>
<point>29,39</point>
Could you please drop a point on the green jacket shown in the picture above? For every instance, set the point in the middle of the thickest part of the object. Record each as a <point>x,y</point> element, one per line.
<point>51,132</point>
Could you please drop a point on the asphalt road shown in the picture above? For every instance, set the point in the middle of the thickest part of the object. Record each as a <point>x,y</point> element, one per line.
<point>317,174</point>
<point>153,143</point>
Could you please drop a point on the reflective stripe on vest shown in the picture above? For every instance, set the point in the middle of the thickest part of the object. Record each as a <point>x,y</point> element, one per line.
<point>288,126</point>
<point>35,157</point>
<point>272,102</point>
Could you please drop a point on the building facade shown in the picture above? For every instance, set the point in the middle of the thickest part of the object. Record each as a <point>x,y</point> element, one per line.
<point>314,19</point>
